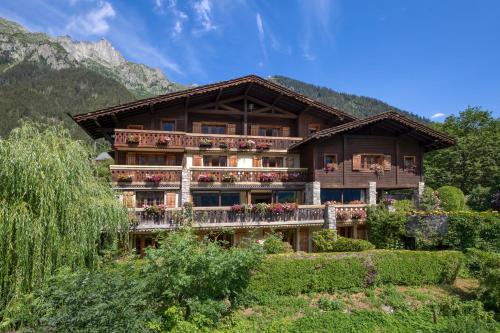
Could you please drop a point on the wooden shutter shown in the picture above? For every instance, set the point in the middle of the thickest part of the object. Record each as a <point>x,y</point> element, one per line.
<point>128,199</point>
<point>290,162</point>
<point>254,130</point>
<point>197,160</point>
<point>131,159</point>
<point>196,127</point>
<point>171,160</point>
<point>356,162</point>
<point>171,200</point>
<point>231,129</point>
<point>233,161</point>
<point>285,131</point>
<point>257,162</point>
<point>387,162</point>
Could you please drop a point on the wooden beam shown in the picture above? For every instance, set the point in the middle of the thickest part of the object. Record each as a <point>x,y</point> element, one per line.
<point>214,111</point>
<point>276,99</point>
<point>115,119</point>
<point>104,133</point>
<point>217,99</point>
<point>186,105</point>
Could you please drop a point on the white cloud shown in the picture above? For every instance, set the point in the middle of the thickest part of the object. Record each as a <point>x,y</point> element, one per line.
<point>94,22</point>
<point>203,9</point>
<point>438,115</point>
<point>260,26</point>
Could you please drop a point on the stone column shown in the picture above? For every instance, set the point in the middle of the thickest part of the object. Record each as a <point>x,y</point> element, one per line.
<point>419,193</point>
<point>297,239</point>
<point>185,186</point>
<point>372,193</point>
<point>330,217</point>
<point>313,193</point>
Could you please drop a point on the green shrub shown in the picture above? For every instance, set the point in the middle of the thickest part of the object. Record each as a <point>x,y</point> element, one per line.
<point>327,240</point>
<point>430,200</point>
<point>473,230</point>
<point>416,267</point>
<point>385,229</point>
<point>479,199</point>
<point>327,304</point>
<point>404,205</point>
<point>274,244</point>
<point>452,198</point>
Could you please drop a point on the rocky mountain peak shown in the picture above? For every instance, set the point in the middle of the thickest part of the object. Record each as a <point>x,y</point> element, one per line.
<point>101,52</point>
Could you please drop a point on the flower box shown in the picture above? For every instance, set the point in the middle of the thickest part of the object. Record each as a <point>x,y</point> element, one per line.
<point>206,143</point>
<point>291,177</point>
<point>276,208</point>
<point>153,179</point>
<point>267,177</point>
<point>248,144</point>
<point>358,214</point>
<point>224,145</point>
<point>290,207</point>
<point>229,178</point>
<point>164,140</point>
<point>378,169</point>
<point>207,178</point>
<point>263,146</point>
<point>343,215</point>
<point>329,167</point>
<point>154,209</point>
<point>133,138</point>
<point>125,178</point>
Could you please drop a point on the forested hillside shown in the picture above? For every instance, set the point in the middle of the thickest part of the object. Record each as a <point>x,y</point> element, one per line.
<point>358,106</point>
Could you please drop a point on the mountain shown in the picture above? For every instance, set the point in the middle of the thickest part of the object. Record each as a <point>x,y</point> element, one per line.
<point>358,106</point>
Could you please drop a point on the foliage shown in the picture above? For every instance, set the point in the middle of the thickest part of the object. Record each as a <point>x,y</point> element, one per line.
<point>473,230</point>
<point>327,304</point>
<point>474,159</point>
<point>480,198</point>
<point>327,241</point>
<point>386,229</point>
<point>53,210</point>
<point>404,205</point>
<point>452,198</point>
<point>274,244</point>
<point>430,200</point>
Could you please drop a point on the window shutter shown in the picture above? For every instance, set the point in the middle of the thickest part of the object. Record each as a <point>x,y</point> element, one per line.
<point>387,162</point>
<point>285,131</point>
<point>233,161</point>
<point>196,127</point>
<point>290,162</point>
<point>257,162</point>
<point>231,129</point>
<point>171,160</point>
<point>131,159</point>
<point>356,162</point>
<point>128,199</point>
<point>197,160</point>
<point>171,199</point>
<point>254,130</point>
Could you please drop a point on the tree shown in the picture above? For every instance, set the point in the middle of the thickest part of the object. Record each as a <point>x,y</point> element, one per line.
<point>474,160</point>
<point>53,210</point>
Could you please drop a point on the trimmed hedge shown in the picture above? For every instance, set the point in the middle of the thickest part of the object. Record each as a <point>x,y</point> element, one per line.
<point>452,198</point>
<point>327,240</point>
<point>303,273</point>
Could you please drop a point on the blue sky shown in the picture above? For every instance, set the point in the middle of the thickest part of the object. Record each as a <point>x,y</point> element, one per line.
<point>429,57</point>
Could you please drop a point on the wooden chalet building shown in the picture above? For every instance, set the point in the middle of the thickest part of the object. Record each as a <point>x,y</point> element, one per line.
<point>250,141</point>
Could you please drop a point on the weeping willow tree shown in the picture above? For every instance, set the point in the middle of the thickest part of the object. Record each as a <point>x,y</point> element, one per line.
<point>54,211</point>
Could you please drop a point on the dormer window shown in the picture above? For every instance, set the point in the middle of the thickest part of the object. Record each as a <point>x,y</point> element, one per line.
<point>168,125</point>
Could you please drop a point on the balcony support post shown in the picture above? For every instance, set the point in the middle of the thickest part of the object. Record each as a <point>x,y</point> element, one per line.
<point>372,193</point>
<point>297,239</point>
<point>419,193</point>
<point>313,193</point>
<point>330,217</point>
<point>185,186</point>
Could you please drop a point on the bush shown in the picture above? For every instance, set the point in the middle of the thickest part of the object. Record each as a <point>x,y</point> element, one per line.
<point>473,230</point>
<point>479,199</point>
<point>327,241</point>
<point>404,205</point>
<point>386,229</point>
<point>452,198</point>
<point>274,244</point>
<point>430,199</point>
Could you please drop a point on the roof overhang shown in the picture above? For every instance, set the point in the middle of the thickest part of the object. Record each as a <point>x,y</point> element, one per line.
<point>101,123</point>
<point>392,122</point>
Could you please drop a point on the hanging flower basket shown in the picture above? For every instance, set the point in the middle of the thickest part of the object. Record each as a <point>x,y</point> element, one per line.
<point>125,178</point>
<point>229,178</point>
<point>206,143</point>
<point>164,140</point>
<point>378,169</point>
<point>263,146</point>
<point>133,138</point>
<point>156,179</point>
<point>207,178</point>
<point>330,167</point>
<point>267,177</point>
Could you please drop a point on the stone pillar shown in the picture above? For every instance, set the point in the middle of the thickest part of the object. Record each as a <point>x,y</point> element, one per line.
<point>330,217</point>
<point>372,193</point>
<point>355,231</point>
<point>297,239</point>
<point>419,193</point>
<point>185,186</point>
<point>313,193</point>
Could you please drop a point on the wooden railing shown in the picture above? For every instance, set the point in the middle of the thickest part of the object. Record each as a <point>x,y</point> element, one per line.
<point>263,175</point>
<point>140,173</point>
<point>167,219</point>
<point>350,213</point>
<point>151,139</point>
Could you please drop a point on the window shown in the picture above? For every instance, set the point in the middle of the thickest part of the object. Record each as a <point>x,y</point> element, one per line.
<point>229,199</point>
<point>206,199</point>
<point>213,129</point>
<point>215,160</point>
<point>168,125</point>
<point>151,159</point>
<point>272,162</point>
<point>149,198</point>
<point>313,128</point>
<point>368,160</point>
<point>269,131</point>
<point>286,196</point>
<point>342,195</point>
<point>135,127</point>
<point>330,162</point>
<point>409,164</point>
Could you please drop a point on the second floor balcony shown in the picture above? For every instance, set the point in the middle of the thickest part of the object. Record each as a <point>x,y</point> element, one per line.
<point>226,175</point>
<point>150,175</point>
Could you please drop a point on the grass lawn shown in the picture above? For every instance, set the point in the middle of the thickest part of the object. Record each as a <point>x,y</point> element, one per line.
<point>383,309</point>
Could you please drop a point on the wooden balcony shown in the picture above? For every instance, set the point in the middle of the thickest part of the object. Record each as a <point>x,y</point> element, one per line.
<point>126,174</point>
<point>227,175</point>
<point>222,217</point>
<point>146,139</point>
<point>350,214</point>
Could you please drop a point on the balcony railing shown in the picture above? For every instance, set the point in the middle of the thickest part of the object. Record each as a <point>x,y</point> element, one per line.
<point>153,139</point>
<point>349,214</point>
<point>207,175</point>
<point>140,173</point>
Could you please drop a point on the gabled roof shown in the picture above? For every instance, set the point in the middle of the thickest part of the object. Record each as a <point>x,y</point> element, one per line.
<point>91,121</point>
<point>431,138</point>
